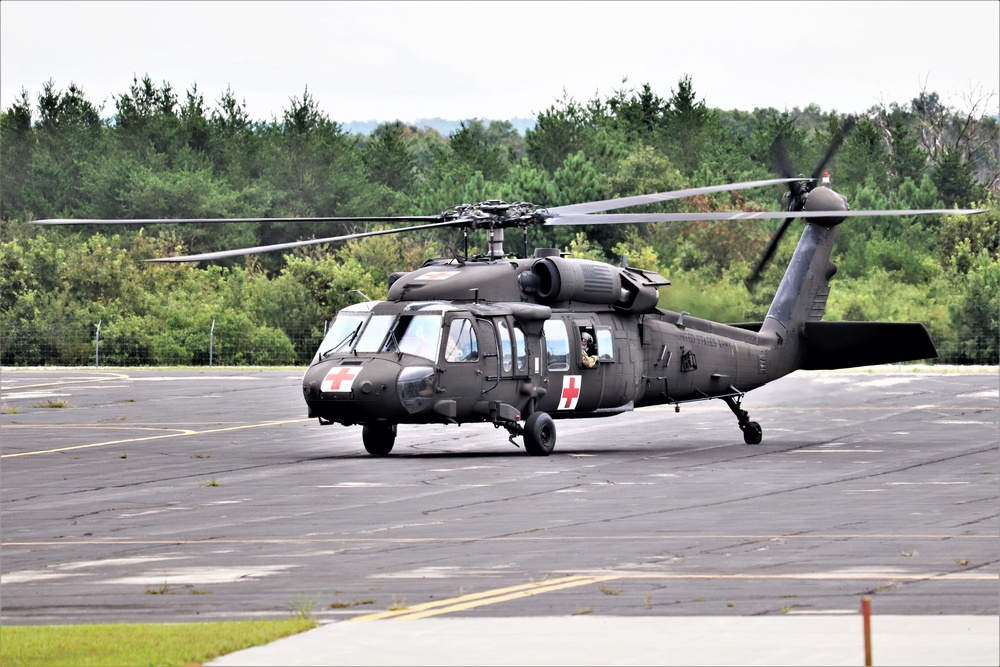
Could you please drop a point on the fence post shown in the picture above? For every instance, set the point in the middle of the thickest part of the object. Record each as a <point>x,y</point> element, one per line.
<point>97,345</point>
<point>211,343</point>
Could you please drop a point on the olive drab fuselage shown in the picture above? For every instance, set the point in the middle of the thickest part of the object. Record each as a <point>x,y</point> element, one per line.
<point>506,343</point>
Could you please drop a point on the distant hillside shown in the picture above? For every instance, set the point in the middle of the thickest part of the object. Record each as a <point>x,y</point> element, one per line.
<point>445,127</point>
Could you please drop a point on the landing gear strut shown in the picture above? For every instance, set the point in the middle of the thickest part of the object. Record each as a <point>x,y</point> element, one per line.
<point>752,433</point>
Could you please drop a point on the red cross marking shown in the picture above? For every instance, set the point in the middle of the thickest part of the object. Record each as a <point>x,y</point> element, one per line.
<point>438,275</point>
<point>338,376</point>
<point>570,392</point>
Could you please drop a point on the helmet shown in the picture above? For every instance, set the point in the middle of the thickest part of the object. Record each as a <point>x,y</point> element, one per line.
<point>587,338</point>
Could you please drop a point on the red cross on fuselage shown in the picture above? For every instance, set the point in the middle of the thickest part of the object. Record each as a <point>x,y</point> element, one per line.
<point>570,393</point>
<point>338,376</point>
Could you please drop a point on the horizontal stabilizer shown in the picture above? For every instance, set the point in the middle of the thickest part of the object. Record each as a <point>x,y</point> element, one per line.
<point>749,326</point>
<point>830,345</point>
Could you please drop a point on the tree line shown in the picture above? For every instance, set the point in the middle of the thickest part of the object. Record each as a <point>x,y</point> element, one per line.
<point>160,154</point>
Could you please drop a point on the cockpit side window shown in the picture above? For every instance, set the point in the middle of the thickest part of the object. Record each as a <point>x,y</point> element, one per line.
<point>463,344</point>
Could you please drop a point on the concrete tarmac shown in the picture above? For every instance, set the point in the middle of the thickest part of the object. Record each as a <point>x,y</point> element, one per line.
<point>824,641</point>
<point>162,495</point>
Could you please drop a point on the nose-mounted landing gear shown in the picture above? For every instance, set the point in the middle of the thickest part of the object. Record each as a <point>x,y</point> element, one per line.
<point>378,438</point>
<point>752,433</point>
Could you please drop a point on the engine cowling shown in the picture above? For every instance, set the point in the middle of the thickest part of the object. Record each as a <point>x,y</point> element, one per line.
<point>558,279</point>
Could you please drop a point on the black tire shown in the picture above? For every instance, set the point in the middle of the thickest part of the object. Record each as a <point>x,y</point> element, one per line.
<point>752,433</point>
<point>539,434</point>
<point>379,438</point>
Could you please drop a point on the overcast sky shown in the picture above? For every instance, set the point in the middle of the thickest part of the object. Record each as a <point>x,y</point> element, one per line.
<point>500,60</point>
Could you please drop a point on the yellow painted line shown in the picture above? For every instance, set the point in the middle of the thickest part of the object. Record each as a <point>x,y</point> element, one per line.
<point>59,383</point>
<point>478,599</point>
<point>178,434</point>
<point>462,606</point>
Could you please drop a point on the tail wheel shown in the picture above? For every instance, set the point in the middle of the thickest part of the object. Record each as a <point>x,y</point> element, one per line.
<point>752,433</point>
<point>379,438</point>
<point>539,434</point>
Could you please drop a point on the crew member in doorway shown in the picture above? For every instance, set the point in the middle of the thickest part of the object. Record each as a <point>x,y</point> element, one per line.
<point>587,348</point>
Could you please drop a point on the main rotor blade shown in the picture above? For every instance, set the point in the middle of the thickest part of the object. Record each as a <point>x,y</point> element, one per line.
<point>222,254</point>
<point>626,202</point>
<point>629,218</point>
<point>188,221</point>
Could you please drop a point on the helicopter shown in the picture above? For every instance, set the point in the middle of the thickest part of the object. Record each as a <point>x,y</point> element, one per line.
<point>523,341</point>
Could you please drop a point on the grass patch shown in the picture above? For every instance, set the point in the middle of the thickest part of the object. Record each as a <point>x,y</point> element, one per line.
<point>10,409</point>
<point>137,644</point>
<point>52,404</point>
<point>348,605</point>
<point>157,590</point>
<point>610,591</point>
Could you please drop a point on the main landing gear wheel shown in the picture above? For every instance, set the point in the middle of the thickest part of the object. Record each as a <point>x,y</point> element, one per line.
<point>539,434</point>
<point>379,438</point>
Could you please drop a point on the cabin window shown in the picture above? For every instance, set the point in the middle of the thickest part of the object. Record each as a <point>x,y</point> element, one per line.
<point>605,344</point>
<point>505,352</point>
<point>463,344</point>
<point>556,345</point>
<point>520,350</point>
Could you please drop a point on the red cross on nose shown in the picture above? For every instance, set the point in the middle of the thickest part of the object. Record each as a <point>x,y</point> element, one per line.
<point>336,378</point>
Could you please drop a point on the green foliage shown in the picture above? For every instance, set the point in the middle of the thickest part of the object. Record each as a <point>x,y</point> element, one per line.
<point>955,180</point>
<point>162,154</point>
<point>976,313</point>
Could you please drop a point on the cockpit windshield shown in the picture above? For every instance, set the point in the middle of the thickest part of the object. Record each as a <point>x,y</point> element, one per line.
<point>419,335</point>
<point>357,330</point>
<point>374,334</point>
<point>343,333</point>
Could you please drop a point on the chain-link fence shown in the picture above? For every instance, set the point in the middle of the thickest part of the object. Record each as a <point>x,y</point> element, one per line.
<point>106,346</point>
<point>242,346</point>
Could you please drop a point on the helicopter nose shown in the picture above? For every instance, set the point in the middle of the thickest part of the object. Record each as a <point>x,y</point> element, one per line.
<point>353,390</point>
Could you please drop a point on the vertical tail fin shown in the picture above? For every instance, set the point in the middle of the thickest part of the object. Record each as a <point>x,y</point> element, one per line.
<point>801,298</point>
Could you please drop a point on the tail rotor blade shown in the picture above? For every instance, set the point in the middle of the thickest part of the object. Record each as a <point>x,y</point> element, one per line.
<point>771,248</point>
<point>838,140</point>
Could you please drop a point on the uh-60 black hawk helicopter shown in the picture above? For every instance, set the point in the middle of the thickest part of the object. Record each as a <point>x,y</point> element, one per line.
<point>521,341</point>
